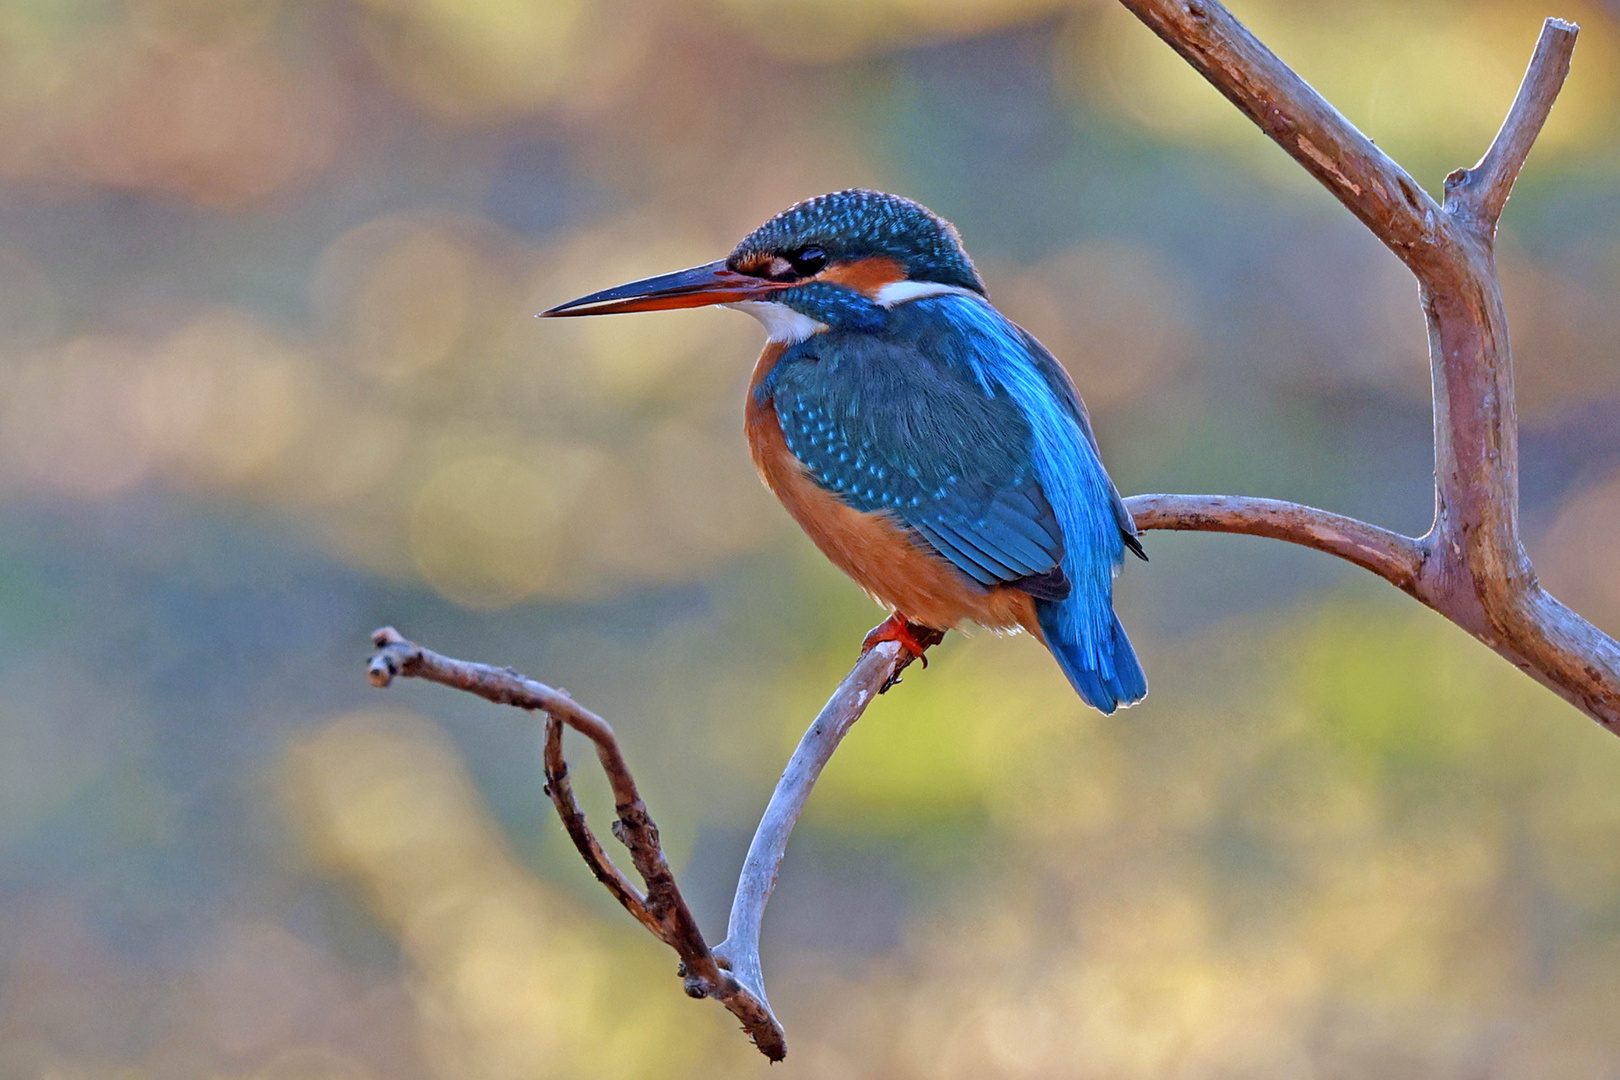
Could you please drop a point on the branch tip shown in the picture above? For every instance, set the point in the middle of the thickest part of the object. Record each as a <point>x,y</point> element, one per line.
<point>1481,193</point>
<point>381,671</point>
<point>394,655</point>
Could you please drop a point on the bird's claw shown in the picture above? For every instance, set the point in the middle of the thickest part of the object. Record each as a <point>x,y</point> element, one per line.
<point>914,638</point>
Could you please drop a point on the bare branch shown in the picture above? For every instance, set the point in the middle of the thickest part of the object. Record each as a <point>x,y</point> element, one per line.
<point>1483,191</point>
<point>1395,558</point>
<point>1299,120</point>
<point>730,974</point>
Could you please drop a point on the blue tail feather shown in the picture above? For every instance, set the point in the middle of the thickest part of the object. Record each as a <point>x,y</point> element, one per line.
<point>1105,672</point>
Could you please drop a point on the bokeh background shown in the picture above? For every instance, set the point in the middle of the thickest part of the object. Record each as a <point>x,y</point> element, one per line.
<point>269,378</point>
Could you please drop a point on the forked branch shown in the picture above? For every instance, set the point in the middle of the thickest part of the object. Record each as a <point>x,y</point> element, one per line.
<point>1470,566</point>
<point>730,973</point>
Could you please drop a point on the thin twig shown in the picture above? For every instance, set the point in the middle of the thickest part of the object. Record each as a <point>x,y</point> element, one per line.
<point>561,792</point>
<point>1483,190</point>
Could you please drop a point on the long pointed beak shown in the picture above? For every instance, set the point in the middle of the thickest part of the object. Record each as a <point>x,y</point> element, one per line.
<point>713,283</point>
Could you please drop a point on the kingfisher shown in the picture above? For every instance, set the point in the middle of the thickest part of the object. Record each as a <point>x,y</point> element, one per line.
<point>931,448</point>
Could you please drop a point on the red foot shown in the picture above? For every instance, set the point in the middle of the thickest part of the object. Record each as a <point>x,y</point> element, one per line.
<point>913,637</point>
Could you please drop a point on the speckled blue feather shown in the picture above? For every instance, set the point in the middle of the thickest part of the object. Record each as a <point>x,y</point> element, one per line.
<point>963,427</point>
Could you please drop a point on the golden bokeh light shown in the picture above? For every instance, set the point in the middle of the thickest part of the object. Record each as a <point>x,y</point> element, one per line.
<point>222,400</point>
<point>412,309</point>
<point>214,117</point>
<point>480,63</point>
<point>67,422</point>
<point>486,527</point>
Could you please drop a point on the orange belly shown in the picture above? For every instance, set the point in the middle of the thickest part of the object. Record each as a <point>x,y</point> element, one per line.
<point>874,549</point>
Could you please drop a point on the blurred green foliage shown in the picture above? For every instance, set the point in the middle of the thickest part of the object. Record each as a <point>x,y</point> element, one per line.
<point>269,378</point>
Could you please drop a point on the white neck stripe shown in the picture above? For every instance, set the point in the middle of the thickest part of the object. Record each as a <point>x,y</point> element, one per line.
<point>898,292</point>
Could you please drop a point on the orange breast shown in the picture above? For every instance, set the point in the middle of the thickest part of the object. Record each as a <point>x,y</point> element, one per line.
<point>874,549</point>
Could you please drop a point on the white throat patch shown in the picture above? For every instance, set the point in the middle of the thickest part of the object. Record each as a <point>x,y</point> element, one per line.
<point>782,324</point>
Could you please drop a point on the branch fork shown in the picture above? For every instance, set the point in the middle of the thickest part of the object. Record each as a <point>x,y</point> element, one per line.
<point>730,972</point>
<point>1470,566</point>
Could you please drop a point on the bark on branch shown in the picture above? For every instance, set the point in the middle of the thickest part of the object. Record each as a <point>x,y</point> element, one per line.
<point>1471,566</point>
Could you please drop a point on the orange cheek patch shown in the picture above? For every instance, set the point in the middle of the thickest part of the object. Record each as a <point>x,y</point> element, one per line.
<point>865,275</point>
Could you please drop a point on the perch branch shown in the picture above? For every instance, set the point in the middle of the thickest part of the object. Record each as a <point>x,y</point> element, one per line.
<point>730,974</point>
<point>873,674</point>
<point>1471,566</point>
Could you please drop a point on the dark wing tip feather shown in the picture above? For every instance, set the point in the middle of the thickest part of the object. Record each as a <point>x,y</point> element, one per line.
<point>1134,542</point>
<point>1052,585</point>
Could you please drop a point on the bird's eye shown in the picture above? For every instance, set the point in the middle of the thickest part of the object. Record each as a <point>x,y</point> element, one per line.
<point>808,261</point>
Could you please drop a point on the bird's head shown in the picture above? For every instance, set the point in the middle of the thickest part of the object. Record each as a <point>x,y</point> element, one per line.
<point>835,258</point>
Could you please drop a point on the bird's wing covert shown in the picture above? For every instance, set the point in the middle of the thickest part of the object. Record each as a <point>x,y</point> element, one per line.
<point>900,426</point>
